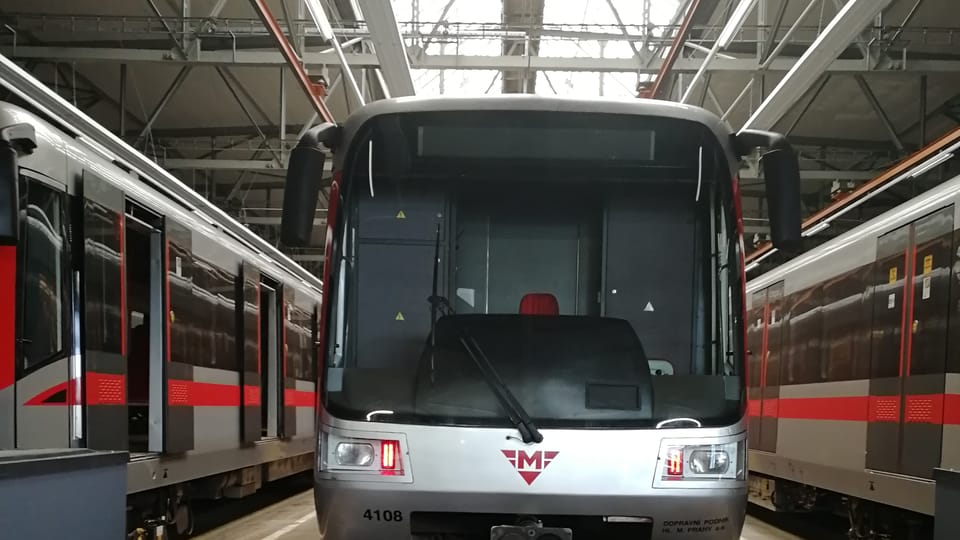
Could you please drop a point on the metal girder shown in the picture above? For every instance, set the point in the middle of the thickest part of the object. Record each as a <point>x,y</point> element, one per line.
<point>275,220</point>
<point>317,60</point>
<point>222,164</point>
<point>171,90</point>
<point>388,45</point>
<point>818,175</point>
<point>230,164</point>
<point>308,258</point>
<point>890,175</point>
<point>173,36</point>
<point>824,79</point>
<point>881,114</point>
<point>837,35</point>
<point>673,56</point>
<point>623,27</point>
<point>290,57</point>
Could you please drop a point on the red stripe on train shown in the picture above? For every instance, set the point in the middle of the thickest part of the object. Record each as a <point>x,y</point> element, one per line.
<point>8,303</point>
<point>203,394</point>
<point>298,398</point>
<point>101,389</point>
<point>853,408</point>
<point>951,409</point>
<point>918,408</point>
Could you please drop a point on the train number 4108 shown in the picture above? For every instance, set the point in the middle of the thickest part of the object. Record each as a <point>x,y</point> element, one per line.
<point>383,515</point>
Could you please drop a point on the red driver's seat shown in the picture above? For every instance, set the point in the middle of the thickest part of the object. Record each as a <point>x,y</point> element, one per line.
<point>539,304</point>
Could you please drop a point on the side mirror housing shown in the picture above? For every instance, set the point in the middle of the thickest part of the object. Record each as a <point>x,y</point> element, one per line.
<point>303,182</point>
<point>15,140</point>
<point>781,171</point>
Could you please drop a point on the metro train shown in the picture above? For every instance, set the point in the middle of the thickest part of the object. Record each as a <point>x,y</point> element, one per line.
<point>533,317</point>
<point>136,316</point>
<point>854,388</point>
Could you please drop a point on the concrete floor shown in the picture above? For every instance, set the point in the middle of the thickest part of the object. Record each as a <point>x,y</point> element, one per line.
<point>293,519</point>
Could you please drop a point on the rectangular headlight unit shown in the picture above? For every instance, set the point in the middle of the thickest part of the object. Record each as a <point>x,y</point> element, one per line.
<point>701,464</point>
<point>376,456</point>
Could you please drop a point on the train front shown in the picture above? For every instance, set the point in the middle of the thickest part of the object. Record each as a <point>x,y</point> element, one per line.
<point>532,329</point>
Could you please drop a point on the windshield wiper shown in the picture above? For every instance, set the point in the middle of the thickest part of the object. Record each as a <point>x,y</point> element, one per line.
<point>515,412</point>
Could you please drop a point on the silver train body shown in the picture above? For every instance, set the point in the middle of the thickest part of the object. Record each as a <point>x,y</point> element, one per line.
<point>202,435</point>
<point>602,483</point>
<point>858,388</point>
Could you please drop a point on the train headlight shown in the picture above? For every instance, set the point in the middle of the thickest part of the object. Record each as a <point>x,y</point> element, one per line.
<point>690,463</point>
<point>709,460</point>
<point>385,456</point>
<point>355,454</point>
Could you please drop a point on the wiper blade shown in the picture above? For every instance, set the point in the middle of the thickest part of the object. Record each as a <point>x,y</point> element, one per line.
<point>515,411</point>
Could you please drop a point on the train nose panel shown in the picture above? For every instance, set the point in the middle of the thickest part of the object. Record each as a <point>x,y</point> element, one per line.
<point>483,482</point>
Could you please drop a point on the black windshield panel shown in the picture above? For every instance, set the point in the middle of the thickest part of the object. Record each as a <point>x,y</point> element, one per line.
<point>604,291</point>
<point>574,368</point>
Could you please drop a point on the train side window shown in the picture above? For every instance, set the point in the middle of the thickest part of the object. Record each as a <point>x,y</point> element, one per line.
<point>44,296</point>
<point>103,318</point>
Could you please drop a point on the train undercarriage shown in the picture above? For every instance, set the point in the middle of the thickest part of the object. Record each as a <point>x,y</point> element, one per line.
<point>868,520</point>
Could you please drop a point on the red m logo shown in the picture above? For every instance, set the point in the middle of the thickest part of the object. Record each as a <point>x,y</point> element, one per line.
<point>529,466</point>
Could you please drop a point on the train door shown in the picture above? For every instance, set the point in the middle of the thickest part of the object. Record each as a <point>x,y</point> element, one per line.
<point>103,275</point>
<point>180,348</point>
<point>143,239</point>
<point>288,422</point>
<point>252,421</point>
<point>269,359</point>
<point>770,369</point>
<point>43,391</point>
<point>911,302</point>
<point>756,316</point>
<point>764,335</point>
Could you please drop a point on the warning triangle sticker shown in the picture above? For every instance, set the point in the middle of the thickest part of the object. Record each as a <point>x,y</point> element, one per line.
<point>399,316</point>
<point>401,215</point>
<point>648,307</point>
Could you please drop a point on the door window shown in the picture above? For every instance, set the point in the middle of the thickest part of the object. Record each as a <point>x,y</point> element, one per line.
<point>43,297</point>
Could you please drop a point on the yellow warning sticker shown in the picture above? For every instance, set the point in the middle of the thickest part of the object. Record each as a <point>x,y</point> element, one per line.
<point>399,316</point>
<point>927,264</point>
<point>893,274</point>
<point>401,215</point>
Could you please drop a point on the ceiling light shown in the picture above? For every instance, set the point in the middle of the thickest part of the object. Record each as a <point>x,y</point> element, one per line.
<point>320,19</point>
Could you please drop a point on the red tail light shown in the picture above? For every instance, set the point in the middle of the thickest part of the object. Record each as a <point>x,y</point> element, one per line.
<point>389,455</point>
<point>675,461</point>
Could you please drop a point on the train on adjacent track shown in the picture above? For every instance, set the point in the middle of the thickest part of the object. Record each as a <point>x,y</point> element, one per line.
<point>533,317</point>
<point>136,316</point>
<point>854,390</point>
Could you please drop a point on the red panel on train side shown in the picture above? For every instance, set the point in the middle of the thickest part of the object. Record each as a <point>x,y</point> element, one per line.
<point>850,408</point>
<point>951,409</point>
<point>202,394</point>
<point>8,296</point>
<point>298,398</point>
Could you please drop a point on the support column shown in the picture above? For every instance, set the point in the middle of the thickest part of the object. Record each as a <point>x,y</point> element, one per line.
<point>123,101</point>
<point>923,110</point>
<point>283,116</point>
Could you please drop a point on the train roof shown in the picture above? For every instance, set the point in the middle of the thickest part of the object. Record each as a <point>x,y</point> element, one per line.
<point>528,102</point>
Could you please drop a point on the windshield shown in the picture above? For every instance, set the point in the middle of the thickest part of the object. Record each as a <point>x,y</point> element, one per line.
<point>603,299</point>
